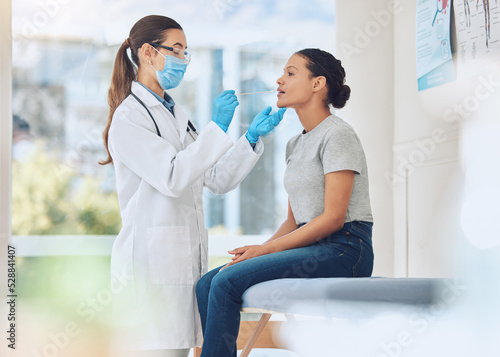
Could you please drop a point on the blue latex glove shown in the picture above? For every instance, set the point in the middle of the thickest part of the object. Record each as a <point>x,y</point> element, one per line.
<point>263,124</point>
<point>223,109</point>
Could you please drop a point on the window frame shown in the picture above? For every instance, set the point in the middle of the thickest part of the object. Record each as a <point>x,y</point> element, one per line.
<point>5,121</point>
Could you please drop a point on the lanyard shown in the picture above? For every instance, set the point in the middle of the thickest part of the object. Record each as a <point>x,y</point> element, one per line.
<point>190,125</point>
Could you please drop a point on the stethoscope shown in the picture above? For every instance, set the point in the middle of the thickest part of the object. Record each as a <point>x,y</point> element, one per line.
<point>190,128</point>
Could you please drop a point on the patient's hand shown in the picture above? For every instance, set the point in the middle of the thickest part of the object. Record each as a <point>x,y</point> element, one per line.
<point>244,253</point>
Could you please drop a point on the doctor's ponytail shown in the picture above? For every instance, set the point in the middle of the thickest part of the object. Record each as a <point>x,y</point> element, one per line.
<point>121,82</point>
<point>149,29</point>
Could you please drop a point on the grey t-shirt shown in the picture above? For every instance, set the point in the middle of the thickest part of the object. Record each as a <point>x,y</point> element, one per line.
<point>331,146</point>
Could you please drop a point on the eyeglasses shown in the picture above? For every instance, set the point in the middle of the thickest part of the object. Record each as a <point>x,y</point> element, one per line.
<point>177,51</point>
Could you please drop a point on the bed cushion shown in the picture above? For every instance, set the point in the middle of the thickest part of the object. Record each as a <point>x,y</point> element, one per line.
<point>344,297</point>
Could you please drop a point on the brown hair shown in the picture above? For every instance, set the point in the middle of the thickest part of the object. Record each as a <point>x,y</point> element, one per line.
<point>322,63</point>
<point>151,28</point>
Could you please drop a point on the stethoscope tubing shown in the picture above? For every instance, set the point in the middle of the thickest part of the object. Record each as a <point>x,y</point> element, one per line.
<point>189,128</point>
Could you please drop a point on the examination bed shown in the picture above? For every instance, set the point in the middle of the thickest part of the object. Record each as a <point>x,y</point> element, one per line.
<point>333,298</point>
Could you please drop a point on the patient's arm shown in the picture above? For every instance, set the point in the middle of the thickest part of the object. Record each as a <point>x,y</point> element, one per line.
<point>338,188</point>
<point>288,226</point>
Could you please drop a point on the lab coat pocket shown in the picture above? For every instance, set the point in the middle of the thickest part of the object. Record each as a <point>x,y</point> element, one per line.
<point>170,260</point>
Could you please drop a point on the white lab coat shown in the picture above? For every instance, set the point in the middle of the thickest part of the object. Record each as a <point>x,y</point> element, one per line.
<point>161,250</point>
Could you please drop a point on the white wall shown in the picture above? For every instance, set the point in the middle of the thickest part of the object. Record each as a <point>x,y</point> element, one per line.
<point>429,177</point>
<point>365,47</point>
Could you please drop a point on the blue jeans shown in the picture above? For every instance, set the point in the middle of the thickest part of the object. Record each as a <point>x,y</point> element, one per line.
<point>346,253</point>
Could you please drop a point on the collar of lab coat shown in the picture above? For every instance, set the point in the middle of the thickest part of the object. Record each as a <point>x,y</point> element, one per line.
<point>150,101</point>
<point>147,98</point>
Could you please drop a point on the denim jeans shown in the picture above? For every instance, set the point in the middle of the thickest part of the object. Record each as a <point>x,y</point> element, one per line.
<point>346,253</point>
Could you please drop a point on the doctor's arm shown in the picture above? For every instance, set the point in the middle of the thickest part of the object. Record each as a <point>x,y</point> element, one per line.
<point>228,172</point>
<point>239,161</point>
<point>157,161</point>
<point>338,188</point>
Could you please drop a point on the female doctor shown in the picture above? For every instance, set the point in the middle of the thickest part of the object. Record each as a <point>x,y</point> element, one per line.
<point>162,164</point>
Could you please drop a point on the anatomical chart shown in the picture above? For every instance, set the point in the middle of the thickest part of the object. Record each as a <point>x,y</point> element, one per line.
<point>478,35</point>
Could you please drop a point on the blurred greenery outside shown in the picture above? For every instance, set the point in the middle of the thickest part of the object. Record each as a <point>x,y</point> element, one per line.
<point>50,198</point>
<point>62,283</point>
<point>54,291</point>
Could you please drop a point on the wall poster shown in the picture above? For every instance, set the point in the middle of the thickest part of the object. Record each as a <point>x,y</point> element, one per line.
<point>478,35</point>
<point>433,48</point>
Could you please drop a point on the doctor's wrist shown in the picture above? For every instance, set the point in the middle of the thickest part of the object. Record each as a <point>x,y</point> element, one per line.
<point>222,126</point>
<point>251,139</point>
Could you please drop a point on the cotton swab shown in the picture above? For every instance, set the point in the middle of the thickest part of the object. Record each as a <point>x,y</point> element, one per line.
<point>266,91</point>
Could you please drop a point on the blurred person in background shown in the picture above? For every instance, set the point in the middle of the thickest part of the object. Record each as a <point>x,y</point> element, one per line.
<point>22,141</point>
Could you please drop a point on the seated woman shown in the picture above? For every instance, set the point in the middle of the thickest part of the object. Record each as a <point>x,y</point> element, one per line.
<point>328,229</point>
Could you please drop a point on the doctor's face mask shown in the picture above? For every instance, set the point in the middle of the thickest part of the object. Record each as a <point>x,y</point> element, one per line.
<point>173,71</point>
